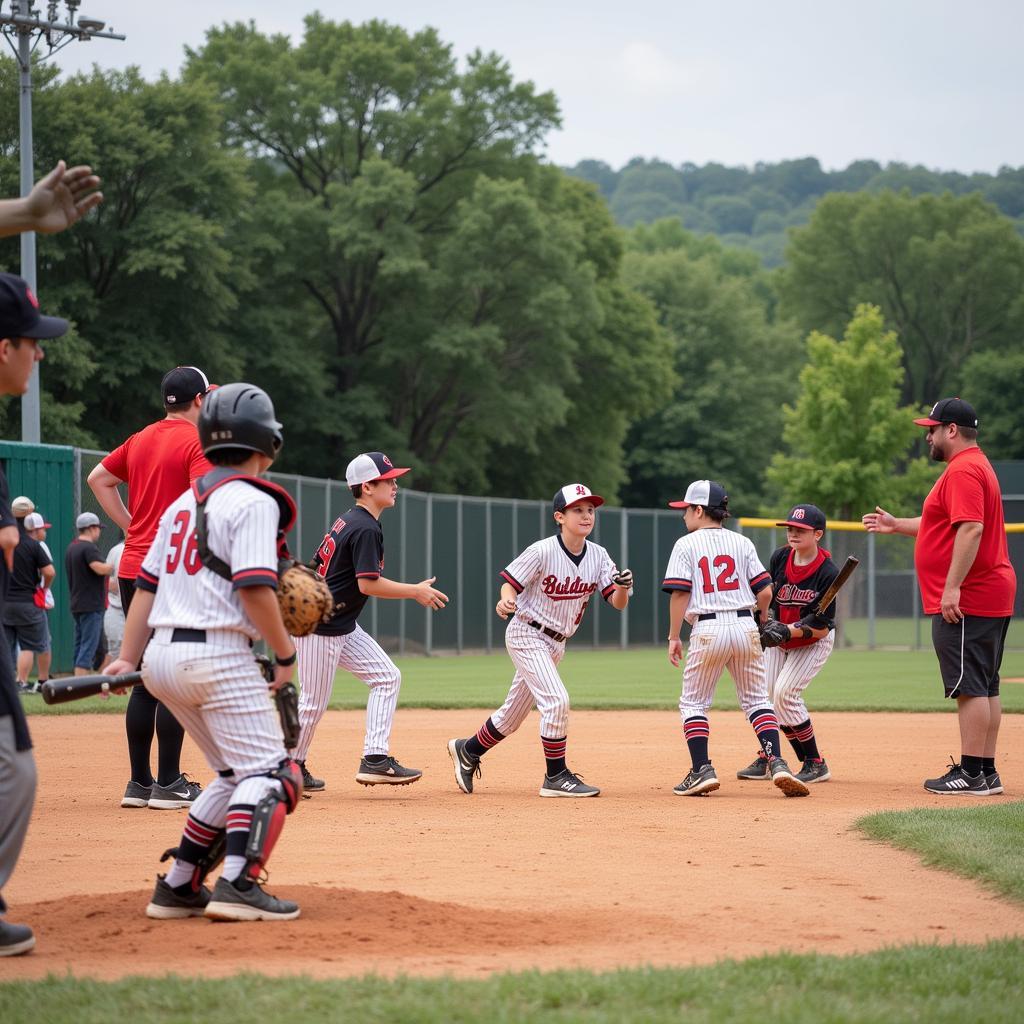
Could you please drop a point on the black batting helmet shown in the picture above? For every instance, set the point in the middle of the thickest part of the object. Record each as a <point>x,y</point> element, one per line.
<point>239,416</point>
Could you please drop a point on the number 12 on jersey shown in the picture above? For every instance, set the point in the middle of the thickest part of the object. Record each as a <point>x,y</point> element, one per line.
<point>718,573</point>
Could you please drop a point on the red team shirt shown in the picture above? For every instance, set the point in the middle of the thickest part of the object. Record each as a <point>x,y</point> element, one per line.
<point>967,491</point>
<point>158,463</point>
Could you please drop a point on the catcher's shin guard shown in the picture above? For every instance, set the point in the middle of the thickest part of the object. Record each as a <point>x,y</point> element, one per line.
<point>211,857</point>
<point>268,817</point>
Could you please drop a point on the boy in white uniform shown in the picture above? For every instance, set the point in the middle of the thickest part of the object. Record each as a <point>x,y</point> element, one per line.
<point>207,589</point>
<point>545,592</point>
<point>715,578</point>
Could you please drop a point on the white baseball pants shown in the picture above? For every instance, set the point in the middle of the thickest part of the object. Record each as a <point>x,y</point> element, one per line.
<point>790,672</point>
<point>536,681</point>
<point>356,652</point>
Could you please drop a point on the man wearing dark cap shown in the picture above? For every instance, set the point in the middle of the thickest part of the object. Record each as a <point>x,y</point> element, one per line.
<point>967,585</point>
<point>22,327</point>
<point>158,464</point>
<point>86,573</point>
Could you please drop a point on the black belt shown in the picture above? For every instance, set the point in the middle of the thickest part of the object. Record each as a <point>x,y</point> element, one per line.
<point>739,614</point>
<point>556,636</point>
<point>188,636</point>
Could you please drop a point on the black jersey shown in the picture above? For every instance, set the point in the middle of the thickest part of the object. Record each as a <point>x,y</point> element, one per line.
<point>796,588</point>
<point>352,550</point>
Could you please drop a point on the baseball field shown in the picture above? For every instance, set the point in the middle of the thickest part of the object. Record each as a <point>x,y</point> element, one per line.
<point>868,900</point>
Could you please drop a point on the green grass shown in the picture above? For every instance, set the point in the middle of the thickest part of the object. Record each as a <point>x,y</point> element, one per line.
<point>908,632</point>
<point>983,843</point>
<point>852,680</point>
<point>915,983</point>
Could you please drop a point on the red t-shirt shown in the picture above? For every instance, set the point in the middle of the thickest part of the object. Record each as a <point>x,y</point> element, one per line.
<point>158,463</point>
<point>967,492</point>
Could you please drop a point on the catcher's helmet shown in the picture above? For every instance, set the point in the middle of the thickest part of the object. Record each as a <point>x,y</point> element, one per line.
<point>239,416</point>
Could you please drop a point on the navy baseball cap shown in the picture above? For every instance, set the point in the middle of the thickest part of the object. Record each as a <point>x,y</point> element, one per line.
<point>950,410</point>
<point>805,517</point>
<point>572,494</point>
<point>19,312</point>
<point>709,493</point>
<point>370,466</point>
<point>181,385</point>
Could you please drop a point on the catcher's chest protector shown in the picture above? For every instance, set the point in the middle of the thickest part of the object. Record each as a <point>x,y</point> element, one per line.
<point>205,485</point>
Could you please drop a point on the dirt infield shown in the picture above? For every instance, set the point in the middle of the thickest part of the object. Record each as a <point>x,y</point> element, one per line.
<point>426,880</point>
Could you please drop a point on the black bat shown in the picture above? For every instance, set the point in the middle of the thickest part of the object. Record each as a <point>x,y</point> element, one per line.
<point>60,691</point>
<point>837,584</point>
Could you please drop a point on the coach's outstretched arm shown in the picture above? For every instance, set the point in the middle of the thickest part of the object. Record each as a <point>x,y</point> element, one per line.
<point>881,521</point>
<point>56,202</point>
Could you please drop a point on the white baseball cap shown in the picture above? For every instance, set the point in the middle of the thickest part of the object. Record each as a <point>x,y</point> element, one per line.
<point>709,493</point>
<point>34,521</point>
<point>573,494</point>
<point>371,466</point>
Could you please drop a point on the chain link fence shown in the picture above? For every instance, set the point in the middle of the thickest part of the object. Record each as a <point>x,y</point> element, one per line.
<point>466,541</point>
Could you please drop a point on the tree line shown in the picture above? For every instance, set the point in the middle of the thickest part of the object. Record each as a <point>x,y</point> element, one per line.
<point>754,207</point>
<point>367,228</point>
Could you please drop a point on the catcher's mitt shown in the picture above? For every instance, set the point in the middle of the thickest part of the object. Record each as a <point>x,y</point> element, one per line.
<point>305,599</point>
<point>774,633</point>
<point>623,578</point>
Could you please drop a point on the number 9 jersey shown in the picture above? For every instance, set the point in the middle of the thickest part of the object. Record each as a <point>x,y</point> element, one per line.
<point>720,570</point>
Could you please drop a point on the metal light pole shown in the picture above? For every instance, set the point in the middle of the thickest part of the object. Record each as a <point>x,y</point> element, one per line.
<point>26,26</point>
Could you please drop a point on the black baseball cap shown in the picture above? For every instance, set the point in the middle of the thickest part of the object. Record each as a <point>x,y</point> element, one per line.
<point>181,385</point>
<point>805,517</point>
<point>19,312</point>
<point>709,493</point>
<point>950,410</point>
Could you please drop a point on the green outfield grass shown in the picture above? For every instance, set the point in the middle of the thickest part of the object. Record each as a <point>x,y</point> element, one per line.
<point>908,632</point>
<point>852,680</point>
<point>983,843</point>
<point>915,983</point>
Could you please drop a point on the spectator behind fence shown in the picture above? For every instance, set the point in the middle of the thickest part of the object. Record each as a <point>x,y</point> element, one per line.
<point>36,527</point>
<point>113,617</point>
<point>87,574</point>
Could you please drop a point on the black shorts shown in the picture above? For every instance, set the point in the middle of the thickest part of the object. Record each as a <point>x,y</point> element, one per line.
<point>970,652</point>
<point>26,626</point>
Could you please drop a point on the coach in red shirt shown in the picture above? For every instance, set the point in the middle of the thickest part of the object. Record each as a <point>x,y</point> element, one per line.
<point>967,585</point>
<point>158,464</point>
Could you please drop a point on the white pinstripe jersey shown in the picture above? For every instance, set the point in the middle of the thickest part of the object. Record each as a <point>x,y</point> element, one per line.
<point>720,570</point>
<point>554,589</point>
<point>242,524</point>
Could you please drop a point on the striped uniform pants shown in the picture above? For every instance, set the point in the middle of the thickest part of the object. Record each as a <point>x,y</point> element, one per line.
<point>789,673</point>
<point>536,657</point>
<point>218,694</point>
<point>356,652</point>
<point>725,642</point>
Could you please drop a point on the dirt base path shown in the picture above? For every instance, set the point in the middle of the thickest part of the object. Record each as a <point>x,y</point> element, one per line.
<point>426,880</point>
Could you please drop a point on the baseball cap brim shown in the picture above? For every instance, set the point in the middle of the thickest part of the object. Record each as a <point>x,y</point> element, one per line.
<point>799,526</point>
<point>595,499</point>
<point>392,473</point>
<point>48,327</point>
<point>928,422</point>
<point>679,504</point>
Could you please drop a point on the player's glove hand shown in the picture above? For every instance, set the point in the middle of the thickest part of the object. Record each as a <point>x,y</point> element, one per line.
<point>623,578</point>
<point>304,598</point>
<point>813,621</point>
<point>774,633</point>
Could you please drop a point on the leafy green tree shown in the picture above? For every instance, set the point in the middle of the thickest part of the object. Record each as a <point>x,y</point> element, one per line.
<point>947,273</point>
<point>736,365</point>
<point>148,278</point>
<point>598,173</point>
<point>731,214</point>
<point>847,436</point>
<point>993,382</point>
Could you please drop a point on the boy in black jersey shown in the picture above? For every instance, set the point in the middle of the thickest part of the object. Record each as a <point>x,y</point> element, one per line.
<point>801,572</point>
<point>351,559</point>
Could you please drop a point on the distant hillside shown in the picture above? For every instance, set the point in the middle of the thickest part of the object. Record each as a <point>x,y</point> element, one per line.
<point>752,207</point>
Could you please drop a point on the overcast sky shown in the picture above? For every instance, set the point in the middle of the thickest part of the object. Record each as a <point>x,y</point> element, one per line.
<point>936,82</point>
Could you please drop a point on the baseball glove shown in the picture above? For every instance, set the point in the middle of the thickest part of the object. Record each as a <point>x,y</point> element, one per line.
<point>774,633</point>
<point>623,578</point>
<point>304,598</point>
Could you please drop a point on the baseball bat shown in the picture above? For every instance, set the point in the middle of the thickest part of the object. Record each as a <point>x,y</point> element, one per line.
<point>60,691</point>
<point>837,584</point>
